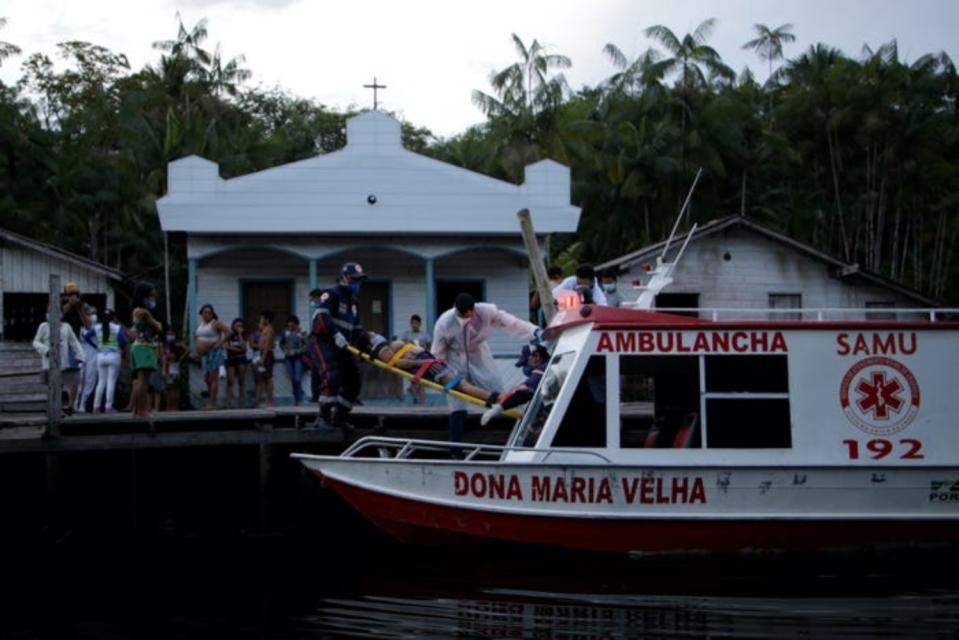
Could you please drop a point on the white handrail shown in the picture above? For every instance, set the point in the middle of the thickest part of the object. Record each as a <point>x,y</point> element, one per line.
<point>408,445</point>
<point>934,315</point>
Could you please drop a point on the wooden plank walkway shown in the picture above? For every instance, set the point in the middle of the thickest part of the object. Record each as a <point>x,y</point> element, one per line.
<point>278,425</point>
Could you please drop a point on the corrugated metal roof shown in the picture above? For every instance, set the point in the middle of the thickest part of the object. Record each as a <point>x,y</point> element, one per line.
<point>60,254</point>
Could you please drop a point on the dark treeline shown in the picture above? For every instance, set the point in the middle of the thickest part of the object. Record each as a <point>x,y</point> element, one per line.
<point>854,155</point>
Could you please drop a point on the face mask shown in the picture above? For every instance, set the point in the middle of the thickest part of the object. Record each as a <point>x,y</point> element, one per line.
<point>609,288</point>
<point>313,306</point>
<point>354,287</point>
<point>93,318</point>
<point>150,303</point>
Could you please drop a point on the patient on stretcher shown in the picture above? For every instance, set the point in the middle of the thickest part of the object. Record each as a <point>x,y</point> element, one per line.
<point>410,357</point>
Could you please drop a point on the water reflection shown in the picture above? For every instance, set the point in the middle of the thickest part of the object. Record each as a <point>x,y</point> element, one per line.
<point>368,588</point>
<point>571,596</point>
<point>534,614</point>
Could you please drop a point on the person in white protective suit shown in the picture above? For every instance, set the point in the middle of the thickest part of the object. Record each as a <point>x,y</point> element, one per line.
<point>460,338</point>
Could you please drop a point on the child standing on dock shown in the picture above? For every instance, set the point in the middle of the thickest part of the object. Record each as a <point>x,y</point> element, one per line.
<point>236,361</point>
<point>175,352</point>
<point>266,358</point>
<point>144,359</point>
<point>293,345</point>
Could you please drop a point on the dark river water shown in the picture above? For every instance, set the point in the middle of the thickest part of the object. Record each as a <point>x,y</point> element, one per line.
<point>368,587</point>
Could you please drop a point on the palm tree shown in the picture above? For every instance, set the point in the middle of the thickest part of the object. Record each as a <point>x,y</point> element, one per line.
<point>524,112</point>
<point>524,86</point>
<point>6,49</point>
<point>690,54</point>
<point>769,42</point>
<point>643,71</point>
<point>226,77</point>
<point>187,44</point>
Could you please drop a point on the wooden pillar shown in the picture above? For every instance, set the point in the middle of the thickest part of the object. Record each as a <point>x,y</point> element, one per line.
<point>430,296</point>
<point>191,293</point>
<point>54,373</point>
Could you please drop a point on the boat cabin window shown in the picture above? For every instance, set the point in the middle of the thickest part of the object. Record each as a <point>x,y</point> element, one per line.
<point>584,422</point>
<point>542,403</point>
<point>743,405</point>
<point>659,401</point>
<point>747,402</point>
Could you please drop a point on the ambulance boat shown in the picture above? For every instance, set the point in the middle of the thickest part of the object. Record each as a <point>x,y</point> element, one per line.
<point>654,432</point>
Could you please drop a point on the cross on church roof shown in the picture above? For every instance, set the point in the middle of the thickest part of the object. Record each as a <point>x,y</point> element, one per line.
<point>374,87</point>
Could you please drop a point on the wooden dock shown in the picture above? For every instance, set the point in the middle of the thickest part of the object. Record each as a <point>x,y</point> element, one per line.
<point>265,426</point>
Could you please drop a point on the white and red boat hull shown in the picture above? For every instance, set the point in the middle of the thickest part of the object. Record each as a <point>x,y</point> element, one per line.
<point>658,509</point>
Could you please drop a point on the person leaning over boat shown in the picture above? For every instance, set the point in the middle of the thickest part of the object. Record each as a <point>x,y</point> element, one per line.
<point>336,323</point>
<point>613,297</point>
<point>460,338</point>
<point>585,277</point>
<point>533,361</point>
<point>211,334</point>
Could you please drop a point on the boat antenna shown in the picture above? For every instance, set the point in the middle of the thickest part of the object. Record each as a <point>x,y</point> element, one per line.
<point>689,196</point>
<point>662,275</point>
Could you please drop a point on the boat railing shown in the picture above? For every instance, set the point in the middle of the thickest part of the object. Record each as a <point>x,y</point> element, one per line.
<point>404,448</point>
<point>817,315</point>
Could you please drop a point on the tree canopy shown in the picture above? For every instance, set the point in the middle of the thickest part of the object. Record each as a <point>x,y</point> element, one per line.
<point>856,155</point>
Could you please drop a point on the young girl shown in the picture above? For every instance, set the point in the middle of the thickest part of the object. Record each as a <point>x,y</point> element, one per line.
<point>110,340</point>
<point>253,355</point>
<point>211,335</point>
<point>175,352</point>
<point>236,363</point>
<point>144,359</point>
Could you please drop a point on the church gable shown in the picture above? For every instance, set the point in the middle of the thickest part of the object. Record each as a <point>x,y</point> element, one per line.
<point>372,184</point>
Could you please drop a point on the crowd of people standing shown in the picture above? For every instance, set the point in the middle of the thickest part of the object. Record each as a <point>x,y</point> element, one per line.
<point>95,344</point>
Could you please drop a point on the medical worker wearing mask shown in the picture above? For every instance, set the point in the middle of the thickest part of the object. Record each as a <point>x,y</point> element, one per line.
<point>460,338</point>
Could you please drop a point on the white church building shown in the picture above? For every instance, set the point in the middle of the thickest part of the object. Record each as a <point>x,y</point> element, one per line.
<point>423,230</point>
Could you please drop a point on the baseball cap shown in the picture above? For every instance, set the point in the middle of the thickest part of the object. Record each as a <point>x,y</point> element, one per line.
<point>530,349</point>
<point>353,271</point>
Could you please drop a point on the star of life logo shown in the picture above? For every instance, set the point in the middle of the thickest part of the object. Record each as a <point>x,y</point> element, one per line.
<point>879,395</point>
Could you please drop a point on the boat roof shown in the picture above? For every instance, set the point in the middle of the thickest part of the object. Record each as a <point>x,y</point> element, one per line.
<point>606,318</point>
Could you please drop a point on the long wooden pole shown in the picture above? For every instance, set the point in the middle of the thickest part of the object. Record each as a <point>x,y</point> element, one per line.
<point>54,375</point>
<point>536,262</point>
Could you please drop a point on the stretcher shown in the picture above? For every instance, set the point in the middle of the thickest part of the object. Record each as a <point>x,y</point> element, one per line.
<point>429,384</point>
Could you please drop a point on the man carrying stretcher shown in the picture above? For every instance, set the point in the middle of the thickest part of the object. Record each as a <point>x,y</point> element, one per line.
<point>422,364</point>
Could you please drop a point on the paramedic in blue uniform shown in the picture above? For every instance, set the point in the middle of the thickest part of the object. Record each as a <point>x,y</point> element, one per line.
<point>336,324</point>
